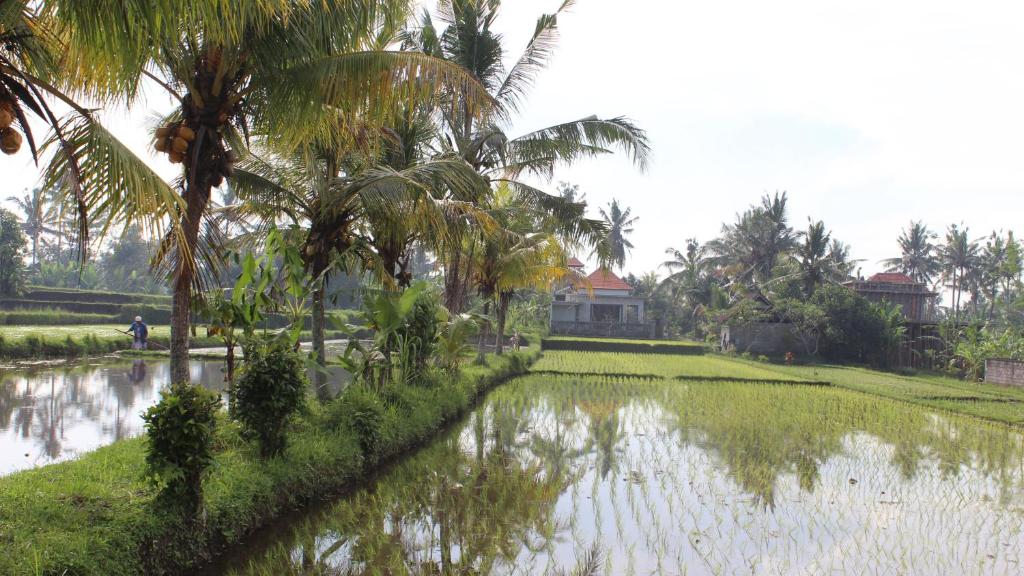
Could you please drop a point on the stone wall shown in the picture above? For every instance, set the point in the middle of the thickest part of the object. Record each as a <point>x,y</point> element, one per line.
<point>1003,371</point>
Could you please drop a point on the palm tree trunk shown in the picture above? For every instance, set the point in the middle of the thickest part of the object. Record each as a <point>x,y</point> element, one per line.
<point>319,341</point>
<point>197,195</point>
<point>484,331</point>
<point>452,282</point>
<point>502,311</point>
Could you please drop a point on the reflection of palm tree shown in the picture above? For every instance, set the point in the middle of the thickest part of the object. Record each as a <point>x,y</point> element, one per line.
<point>604,433</point>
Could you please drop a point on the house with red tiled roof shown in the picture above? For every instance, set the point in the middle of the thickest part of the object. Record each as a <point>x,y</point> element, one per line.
<point>598,304</point>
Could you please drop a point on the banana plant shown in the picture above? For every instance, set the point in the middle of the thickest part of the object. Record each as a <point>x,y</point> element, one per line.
<point>386,313</point>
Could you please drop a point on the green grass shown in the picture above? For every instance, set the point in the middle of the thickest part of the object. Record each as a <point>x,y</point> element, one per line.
<point>621,345</point>
<point>96,514</point>
<point>16,333</point>
<point>990,401</point>
<point>659,365</point>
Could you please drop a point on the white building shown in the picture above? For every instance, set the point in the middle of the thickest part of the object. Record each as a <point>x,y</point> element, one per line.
<point>601,304</point>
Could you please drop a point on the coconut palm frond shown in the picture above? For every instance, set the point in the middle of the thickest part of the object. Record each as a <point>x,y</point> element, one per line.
<point>581,137</point>
<point>104,176</point>
<point>536,56</point>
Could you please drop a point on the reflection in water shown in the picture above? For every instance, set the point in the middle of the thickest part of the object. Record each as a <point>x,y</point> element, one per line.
<point>51,414</point>
<point>670,478</point>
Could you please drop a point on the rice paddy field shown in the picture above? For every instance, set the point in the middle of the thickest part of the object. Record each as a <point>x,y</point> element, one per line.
<point>16,333</point>
<point>656,365</point>
<point>586,474</point>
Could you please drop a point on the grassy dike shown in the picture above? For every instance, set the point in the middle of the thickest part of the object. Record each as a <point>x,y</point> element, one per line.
<point>78,341</point>
<point>95,515</point>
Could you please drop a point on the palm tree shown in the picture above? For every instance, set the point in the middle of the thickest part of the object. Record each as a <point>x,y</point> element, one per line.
<point>989,277</point>
<point>959,257</point>
<point>467,38</point>
<point>525,251</point>
<point>812,256</point>
<point>749,248</point>
<point>619,224</point>
<point>41,62</point>
<point>918,256</point>
<point>329,209</point>
<point>277,68</point>
<point>38,216</point>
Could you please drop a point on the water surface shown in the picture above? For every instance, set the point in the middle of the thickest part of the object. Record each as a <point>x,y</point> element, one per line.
<point>557,475</point>
<point>49,414</point>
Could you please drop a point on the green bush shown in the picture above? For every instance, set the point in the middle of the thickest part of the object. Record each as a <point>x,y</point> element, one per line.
<point>854,331</point>
<point>271,388</point>
<point>180,432</point>
<point>422,326</point>
<point>360,410</point>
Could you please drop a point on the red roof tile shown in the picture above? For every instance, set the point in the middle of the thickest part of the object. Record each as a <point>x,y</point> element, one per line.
<point>575,263</point>
<point>892,278</point>
<point>606,280</point>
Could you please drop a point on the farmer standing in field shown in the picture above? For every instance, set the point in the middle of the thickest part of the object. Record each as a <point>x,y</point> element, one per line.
<point>141,333</point>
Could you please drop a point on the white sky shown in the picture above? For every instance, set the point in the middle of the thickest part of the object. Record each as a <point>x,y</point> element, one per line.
<point>868,113</point>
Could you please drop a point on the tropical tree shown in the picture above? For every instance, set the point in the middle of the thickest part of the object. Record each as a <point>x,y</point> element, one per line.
<point>918,257</point>
<point>275,68</point>
<point>690,281</point>
<point>619,224</point>
<point>749,248</point>
<point>38,216</point>
<point>12,243</point>
<point>519,254</point>
<point>959,258</point>
<point>820,258</point>
<point>467,38</point>
<point>344,216</point>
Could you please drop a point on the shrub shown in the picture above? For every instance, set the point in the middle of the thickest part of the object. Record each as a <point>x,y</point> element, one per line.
<point>269,391</point>
<point>180,431</point>
<point>360,410</point>
<point>854,331</point>
<point>419,336</point>
<point>762,358</point>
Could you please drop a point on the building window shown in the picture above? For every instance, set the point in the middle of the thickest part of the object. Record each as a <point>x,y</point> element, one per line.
<point>606,313</point>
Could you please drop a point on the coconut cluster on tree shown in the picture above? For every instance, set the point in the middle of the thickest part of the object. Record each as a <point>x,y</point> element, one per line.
<point>174,141</point>
<point>10,138</point>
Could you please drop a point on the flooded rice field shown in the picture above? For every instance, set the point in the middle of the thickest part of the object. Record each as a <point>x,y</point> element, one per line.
<point>53,413</point>
<point>563,475</point>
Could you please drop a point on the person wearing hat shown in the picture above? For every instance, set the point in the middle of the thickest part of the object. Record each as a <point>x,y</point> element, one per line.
<point>141,333</point>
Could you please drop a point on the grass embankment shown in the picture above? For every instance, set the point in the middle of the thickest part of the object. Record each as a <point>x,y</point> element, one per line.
<point>95,515</point>
<point>620,345</point>
<point>74,341</point>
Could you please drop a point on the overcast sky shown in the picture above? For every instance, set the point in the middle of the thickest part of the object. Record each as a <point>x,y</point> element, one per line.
<point>868,113</point>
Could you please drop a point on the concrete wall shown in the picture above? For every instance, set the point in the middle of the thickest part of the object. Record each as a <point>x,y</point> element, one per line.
<point>1006,372</point>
